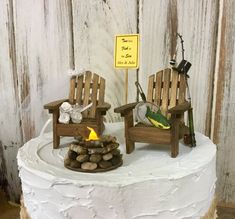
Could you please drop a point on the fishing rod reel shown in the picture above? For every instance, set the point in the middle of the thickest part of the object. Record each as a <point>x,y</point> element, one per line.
<point>182,68</point>
<point>184,65</point>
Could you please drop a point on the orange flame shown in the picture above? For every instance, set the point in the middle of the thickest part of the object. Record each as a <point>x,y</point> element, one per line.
<point>92,135</point>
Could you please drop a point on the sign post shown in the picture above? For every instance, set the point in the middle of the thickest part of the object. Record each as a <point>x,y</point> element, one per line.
<point>126,55</point>
<point>126,86</point>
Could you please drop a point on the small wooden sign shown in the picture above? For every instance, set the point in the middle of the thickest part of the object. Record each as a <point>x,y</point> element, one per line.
<point>126,51</point>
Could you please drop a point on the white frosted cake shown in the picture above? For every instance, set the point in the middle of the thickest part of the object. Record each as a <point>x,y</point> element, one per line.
<point>149,185</point>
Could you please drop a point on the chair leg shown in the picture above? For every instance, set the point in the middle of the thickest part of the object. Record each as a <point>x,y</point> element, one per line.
<point>128,120</point>
<point>56,141</point>
<point>102,126</point>
<point>183,129</point>
<point>56,138</point>
<point>130,146</point>
<point>175,148</point>
<point>175,138</point>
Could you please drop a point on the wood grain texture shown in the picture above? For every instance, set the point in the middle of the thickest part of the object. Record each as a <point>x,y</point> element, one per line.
<point>224,111</point>
<point>174,90</point>
<point>39,46</point>
<point>35,53</point>
<point>196,20</point>
<point>182,86</point>
<point>165,91</point>
<point>87,91</point>
<point>150,88</point>
<point>175,136</point>
<point>101,91</point>
<point>79,89</point>
<point>94,95</point>
<point>10,132</point>
<point>129,123</point>
<point>72,86</point>
<point>149,135</point>
<point>43,54</point>
<point>95,25</point>
<point>158,89</point>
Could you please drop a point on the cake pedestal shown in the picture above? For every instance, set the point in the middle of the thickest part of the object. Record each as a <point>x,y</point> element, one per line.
<point>149,185</point>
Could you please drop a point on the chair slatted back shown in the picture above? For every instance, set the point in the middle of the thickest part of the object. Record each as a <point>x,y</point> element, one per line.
<point>87,88</point>
<point>166,88</point>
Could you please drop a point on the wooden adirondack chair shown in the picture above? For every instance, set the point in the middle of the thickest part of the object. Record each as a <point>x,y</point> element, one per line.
<point>84,89</point>
<point>167,89</point>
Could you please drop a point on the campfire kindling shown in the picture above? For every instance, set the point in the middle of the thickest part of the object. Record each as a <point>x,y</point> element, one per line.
<point>94,154</point>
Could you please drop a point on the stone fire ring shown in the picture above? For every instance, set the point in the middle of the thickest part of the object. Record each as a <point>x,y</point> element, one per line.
<point>98,170</point>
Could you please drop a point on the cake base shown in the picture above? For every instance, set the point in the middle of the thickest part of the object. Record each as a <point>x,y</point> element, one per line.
<point>98,170</point>
<point>23,211</point>
<point>149,184</point>
<point>211,214</point>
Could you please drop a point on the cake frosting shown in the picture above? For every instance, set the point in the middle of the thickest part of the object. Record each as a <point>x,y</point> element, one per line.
<point>149,185</point>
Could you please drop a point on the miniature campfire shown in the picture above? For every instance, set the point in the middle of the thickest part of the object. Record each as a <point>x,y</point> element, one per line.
<point>93,154</point>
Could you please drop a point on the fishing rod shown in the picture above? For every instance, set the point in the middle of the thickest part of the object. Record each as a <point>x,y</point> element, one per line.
<point>140,91</point>
<point>183,68</point>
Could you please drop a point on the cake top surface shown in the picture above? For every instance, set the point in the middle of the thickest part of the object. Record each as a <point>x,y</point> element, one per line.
<point>145,163</point>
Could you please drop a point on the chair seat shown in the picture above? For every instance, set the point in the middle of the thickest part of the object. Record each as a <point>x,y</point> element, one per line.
<point>148,134</point>
<point>139,124</point>
<point>78,129</point>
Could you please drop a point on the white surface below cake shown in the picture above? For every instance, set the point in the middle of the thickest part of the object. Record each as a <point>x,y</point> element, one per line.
<point>149,185</point>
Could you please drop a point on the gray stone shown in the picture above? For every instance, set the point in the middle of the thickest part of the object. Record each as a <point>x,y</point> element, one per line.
<point>82,158</point>
<point>108,139</point>
<point>108,156</point>
<point>95,158</point>
<point>72,155</point>
<point>105,164</point>
<point>93,144</point>
<point>78,149</point>
<point>89,166</point>
<point>116,160</point>
<point>67,161</point>
<point>103,150</point>
<point>96,150</point>
<point>112,146</point>
<point>115,152</point>
<point>75,164</point>
<point>98,144</point>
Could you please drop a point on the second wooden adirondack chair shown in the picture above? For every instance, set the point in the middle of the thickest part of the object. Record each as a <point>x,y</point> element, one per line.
<point>84,89</point>
<point>167,89</point>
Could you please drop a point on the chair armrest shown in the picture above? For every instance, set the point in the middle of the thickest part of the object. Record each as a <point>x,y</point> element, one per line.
<point>103,107</point>
<point>180,108</point>
<point>54,105</point>
<point>125,108</point>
